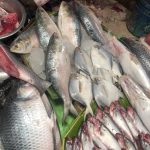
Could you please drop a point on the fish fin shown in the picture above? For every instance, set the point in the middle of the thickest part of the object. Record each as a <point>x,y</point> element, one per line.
<point>88,111</point>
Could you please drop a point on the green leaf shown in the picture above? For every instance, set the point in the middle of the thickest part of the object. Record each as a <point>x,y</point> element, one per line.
<point>124,102</point>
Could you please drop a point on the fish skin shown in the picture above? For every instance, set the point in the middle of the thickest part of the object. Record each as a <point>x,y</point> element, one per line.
<point>120,122</point>
<point>133,68</point>
<point>145,145</point>
<point>13,67</point>
<point>69,24</point>
<point>27,40</point>
<point>82,61</point>
<point>90,22</point>
<point>24,121</point>
<point>105,92</point>
<point>45,27</point>
<point>102,133</point>
<point>58,66</point>
<point>80,88</point>
<point>140,51</point>
<point>138,99</point>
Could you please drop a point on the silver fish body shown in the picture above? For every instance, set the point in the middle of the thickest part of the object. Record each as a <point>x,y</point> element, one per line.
<point>138,99</point>
<point>45,27</point>
<point>25,123</point>
<point>69,24</point>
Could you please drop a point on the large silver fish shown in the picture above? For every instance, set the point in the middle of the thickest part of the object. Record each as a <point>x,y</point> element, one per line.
<point>80,88</point>
<point>25,123</point>
<point>90,22</point>
<point>138,99</point>
<point>13,67</point>
<point>45,27</point>
<point>58,70</point>
<point>69,24</point>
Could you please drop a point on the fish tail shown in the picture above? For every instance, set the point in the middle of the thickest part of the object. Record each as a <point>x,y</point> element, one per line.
<point>88,111</point>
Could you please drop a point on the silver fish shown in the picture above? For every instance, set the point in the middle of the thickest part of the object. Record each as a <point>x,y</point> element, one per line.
<point>138,99</point>
<point>131,65</point>
<point>105,92</point>
<point>80,88</point>
<point>13,67</point>
<point>27,40</point>
<point>141,52</point>
<point>45,27</point>
<point>90,22</point>
<point>24,121</point>
<point>58,70</point>
<point>69,24</point>
<point>82,61</point>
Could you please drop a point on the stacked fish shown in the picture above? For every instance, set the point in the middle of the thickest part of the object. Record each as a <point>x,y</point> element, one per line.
<point>112,128</point>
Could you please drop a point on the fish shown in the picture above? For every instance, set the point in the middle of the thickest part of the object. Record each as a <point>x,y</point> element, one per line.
<point>117,117</point>
<point>13,67</point>
<point>45,27</point>
<point>145,145</point>
<point>24,120</point>
<point>90,22</point>
<point>40,2</point>
<point>77,145</point>
<point>69,24</point>
<point>141,52</point>
<point>3,76</point>
<point>105,92</point>
<point>102,133</point>
<point>58,66</point>
<point>131,65</point>
<point>137,98</point>
<point>80,88</point>
<point>82,61</point>
<point>26,41</point>
<point>69,144</point>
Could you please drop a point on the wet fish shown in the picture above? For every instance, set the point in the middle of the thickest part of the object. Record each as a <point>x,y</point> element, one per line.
<point>102,133</point>
<point>131,65</point>
<point>90,22</point>
<point>13,67</point>
<point>26,41</point>
<point>82,61</point>
<point>105,92</point>
<point>80,88</point>
<point>24,121</point>
<point>45,27</point>
<point>141,52</point>
<point>58,70</point>
<point>138,99</point>
<point>69,24</point>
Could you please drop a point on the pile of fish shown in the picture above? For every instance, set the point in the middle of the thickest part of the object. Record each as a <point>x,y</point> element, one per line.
<point>83,63</point>
<point>112,128</point>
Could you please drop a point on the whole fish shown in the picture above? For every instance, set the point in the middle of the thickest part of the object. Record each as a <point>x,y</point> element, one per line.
<point>69,24</point>
<point>80,88</point>
<point>45,27</point>
<point>24,121</point>
<point>141,52</point>
<point>105,92</point>
<point>26,41</point>
<point>83,61</point>
<point>90,22</point>
<point>138,99</point>
<point>131,65</point>
<point>102,133</point>
<point>13,67</point>
<point>58,70</point>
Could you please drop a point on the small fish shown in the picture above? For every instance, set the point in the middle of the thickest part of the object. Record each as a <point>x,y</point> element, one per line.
<point>131,65</point>
<point>45,27</point>
<point>105,92</point>
<point>90,22</point>
<point>83,62</point>
<point>24,121</point>
<point>69,24</point>
<point>80,88</point>
<point>13,67</point>
<point>58,70</point>
<point>138,99</point>
<point>26,41</point>
<point>141,52</point>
